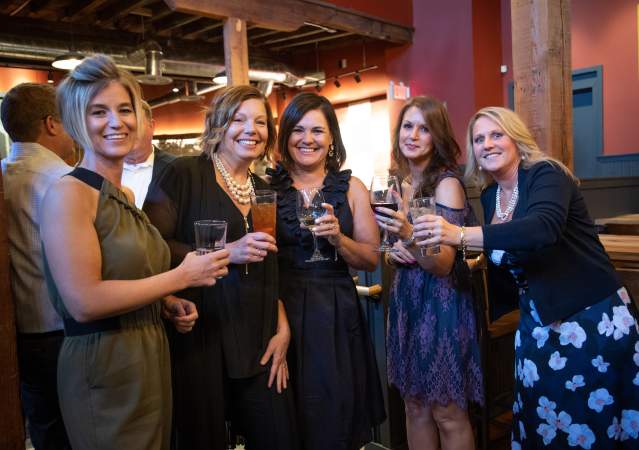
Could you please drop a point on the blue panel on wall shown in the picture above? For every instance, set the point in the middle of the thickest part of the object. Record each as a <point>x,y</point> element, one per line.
<point>589,160</point>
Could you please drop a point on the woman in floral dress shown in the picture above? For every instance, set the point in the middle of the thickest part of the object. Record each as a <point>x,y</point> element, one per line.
<point>577,348</point>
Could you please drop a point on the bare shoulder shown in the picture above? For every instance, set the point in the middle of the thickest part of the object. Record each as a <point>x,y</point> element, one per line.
<point>70,196</point>
<point>450,193</point>
<point>356,186</point>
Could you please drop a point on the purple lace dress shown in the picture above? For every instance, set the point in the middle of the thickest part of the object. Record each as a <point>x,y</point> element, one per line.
<point>433,352</point>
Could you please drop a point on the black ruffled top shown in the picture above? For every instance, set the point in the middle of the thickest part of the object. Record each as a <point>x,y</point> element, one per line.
<point>295,245</point>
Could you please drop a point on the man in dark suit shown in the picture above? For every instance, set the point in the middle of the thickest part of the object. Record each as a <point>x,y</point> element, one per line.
<point>145,162</point>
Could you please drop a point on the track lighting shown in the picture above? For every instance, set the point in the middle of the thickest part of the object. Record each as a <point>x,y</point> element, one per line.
<point>357,76</point>
<point>337,83</point>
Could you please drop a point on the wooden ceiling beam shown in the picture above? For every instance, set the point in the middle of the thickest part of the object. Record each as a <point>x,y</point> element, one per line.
<point>290,37</point>
<point>311,41</point>
<point>289,15</point>
<point>82,8</point>
<point>15,11</point>
<point>173,23</point>
<point>195,30</point>
<point>120,9</point>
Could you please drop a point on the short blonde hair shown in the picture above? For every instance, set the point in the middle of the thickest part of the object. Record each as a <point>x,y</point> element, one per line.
<point>221,112</point>
<point>79,88</point>
<point>515,129</point>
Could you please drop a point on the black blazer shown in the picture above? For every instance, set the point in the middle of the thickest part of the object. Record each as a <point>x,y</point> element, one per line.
<point>554,238</point>
<point>160,161</point>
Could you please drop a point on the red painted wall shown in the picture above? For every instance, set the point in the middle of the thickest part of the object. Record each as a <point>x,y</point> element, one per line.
<point>440,60</point>
<point>603,33</point>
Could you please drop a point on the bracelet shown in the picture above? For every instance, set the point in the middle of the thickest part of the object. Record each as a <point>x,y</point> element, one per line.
<point>408,242</point>
<point>462,241</point>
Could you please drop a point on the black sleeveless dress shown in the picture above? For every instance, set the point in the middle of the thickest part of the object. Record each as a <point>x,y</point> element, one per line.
<point>333,368</point>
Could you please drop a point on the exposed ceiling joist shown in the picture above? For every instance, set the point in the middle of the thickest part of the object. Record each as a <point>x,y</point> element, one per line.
<point>312,41</point>
<point>83,8</point>
<point>172,23</point>
<point>289,15</point>
<point>118,10</point>
<point>197,29</point>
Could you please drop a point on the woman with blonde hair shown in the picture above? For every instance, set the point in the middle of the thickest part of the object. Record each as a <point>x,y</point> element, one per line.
<point>106,268</point>
<point>433,352</point>
<point>577,345</point>
<point>235,358</point>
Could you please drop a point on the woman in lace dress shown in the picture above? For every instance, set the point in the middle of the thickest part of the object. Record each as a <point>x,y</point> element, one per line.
<point>432,348</point>
<point>333,365</point>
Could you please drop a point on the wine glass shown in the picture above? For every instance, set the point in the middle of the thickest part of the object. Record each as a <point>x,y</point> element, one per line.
<point>385,193</point>
<point>309,208</point>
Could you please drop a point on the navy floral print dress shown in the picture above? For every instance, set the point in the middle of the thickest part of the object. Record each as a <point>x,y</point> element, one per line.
<point>432,347</point>
<point>576,380</point>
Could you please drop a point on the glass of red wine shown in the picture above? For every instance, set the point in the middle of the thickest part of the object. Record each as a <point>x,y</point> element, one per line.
<point>385,194</point>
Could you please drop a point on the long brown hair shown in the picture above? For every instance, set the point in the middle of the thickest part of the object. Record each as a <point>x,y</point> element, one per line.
<point>445,151</point>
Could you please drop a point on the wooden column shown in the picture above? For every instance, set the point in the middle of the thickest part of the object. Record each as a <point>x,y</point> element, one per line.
<point>236,51</point>
<point>11,421</point>
<point>542,73</point>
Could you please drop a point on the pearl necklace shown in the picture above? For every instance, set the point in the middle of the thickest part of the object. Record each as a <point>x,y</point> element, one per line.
<point>510,207</point>
<point>241,193</point>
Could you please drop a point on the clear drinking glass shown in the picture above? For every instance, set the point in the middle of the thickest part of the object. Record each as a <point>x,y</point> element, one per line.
<point>309,208</point>
<point>419,207</point>
<point>210,235</point>
<point>263,211</point>
<point>385,193</point>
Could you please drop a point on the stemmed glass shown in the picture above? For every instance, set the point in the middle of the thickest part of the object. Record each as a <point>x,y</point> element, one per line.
<point>385,193</point>
<point>309,208</point>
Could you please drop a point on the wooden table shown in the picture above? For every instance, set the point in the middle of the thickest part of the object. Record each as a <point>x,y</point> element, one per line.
<point>623,249</point>
<point>624,254</point>
<point>625,224</point>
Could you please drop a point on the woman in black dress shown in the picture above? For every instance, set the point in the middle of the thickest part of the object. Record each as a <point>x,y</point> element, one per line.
<point>236,354</point>
<point>335,377</point>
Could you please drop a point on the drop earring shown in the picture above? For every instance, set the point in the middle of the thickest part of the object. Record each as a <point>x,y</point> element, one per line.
<point>331,150</point>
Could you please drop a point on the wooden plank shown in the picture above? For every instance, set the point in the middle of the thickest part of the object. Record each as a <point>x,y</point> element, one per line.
<point>236,51</point>
<point>622,249</point>
<point>289,15</point>
<point>11,421</point>
<point>542,73</point>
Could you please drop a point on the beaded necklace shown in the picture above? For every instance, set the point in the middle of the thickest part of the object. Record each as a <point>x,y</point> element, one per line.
<point>510,207</point>
<point>241,192</point>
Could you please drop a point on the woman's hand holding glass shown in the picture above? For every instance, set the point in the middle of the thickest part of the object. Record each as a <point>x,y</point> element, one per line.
<point>327,226</point>
<point>251,248</point>
<point>203,270</point>
<point>431,230</point>
<point>181,312</point>
<point>310,209</point>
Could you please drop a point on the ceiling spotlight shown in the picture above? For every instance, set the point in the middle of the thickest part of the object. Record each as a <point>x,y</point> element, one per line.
<point>153,66</point>
<point>357,76</point>
<point>317,86</point>
<point>175,89</point>
<point>337,83</point>
<point>50,78</point>
<point>220,78</point>
<point>68,61</point>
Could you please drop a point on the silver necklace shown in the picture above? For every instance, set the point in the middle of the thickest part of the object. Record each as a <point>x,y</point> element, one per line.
<point>510,207</point>
<point>241,192</point>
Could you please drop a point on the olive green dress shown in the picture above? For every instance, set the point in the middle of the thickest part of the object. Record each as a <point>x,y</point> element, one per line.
<point>114,377</point>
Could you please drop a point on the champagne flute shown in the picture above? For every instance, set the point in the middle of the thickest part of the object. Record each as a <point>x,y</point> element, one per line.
<point>309,208</point>
<point>385,193</point>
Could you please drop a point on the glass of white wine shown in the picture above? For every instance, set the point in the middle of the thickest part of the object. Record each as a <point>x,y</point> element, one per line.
<point>309,208</point>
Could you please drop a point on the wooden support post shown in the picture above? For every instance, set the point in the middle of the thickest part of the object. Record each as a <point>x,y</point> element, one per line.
<point>542,73</point>
<point>236,51</point>
<point>11,421</point>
